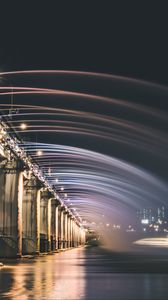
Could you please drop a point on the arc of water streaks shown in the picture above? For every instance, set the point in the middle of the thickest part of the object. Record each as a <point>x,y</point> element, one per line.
<point>82,73</point>
<point>95,182</point>
<point>127,186</point>
<point>120,130</point>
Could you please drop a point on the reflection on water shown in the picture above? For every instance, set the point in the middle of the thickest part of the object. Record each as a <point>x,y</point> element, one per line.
<point>156,242</point>
<point>128,287</point>
<point>59,276</point>
<point>87,273</point>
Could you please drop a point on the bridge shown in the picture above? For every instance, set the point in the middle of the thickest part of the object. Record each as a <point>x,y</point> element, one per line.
<point>33,216</point>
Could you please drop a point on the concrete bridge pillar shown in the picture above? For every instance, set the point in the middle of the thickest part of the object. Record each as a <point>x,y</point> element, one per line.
<point>77,234</point>
<point>11,194</point>
<point>68,231</point>
<point>76,238</point>
<point>65,230</point>
<point>82,239</point>
<point>56,228</point>
<point>54,224</point>
<point>59,227</point>
<point>45,223</point>
<point>62,229</point>
<point>73,233</point>
<point>31,216</point>
<point>37,217</point>
<point>83,236</point>
<point>71,242</point>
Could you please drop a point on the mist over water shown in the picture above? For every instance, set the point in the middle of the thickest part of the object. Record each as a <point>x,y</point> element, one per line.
<point>103,137</point>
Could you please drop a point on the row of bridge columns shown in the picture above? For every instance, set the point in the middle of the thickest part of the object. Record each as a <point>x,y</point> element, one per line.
<point>31,220</point>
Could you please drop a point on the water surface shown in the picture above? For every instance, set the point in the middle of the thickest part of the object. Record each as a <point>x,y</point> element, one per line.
<point>86,273</point>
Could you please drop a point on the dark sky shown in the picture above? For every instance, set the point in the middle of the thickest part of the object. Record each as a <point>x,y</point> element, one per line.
<point>125,38</point>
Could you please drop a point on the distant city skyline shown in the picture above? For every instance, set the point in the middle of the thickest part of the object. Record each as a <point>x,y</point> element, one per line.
<point>153,219</point>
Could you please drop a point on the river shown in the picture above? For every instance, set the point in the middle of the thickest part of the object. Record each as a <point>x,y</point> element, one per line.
<point>86,273</point>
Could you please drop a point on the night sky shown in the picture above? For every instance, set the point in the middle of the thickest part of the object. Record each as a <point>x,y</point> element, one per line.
<point>119,37</point>
<point>123,38</point>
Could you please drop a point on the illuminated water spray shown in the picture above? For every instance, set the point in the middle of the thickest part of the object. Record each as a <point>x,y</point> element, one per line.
<point>100,139</point>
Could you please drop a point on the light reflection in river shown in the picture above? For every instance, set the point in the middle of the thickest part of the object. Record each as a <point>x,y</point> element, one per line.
<point>87,274</point>
<point>60,276</point>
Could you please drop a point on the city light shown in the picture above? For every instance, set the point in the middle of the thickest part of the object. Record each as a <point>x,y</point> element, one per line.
<point>145,221</point>
<point>153,220</point>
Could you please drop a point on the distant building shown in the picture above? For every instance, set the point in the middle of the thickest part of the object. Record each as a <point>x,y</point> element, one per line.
<point>153,219</point>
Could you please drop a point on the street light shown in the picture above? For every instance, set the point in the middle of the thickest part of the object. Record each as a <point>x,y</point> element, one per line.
<point>23,126</point>
<point>39,152</point>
